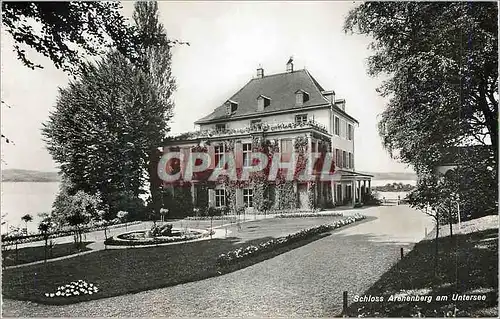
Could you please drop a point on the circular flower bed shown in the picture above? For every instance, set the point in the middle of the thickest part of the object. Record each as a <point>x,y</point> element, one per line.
<point>145,237</point>
<point>75,288</point>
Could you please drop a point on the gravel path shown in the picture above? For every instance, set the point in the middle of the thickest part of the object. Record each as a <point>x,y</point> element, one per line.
<point>304,282</point>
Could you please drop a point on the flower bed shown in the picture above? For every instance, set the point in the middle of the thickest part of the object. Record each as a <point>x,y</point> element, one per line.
<point>301,215</point>
<point>228,218</point>
<point>129,239</point>
<point>12,240</point>
<point>252,250</point>
<point>75,288</point>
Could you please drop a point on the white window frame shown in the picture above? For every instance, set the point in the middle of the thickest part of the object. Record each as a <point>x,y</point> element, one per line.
<point>219,129</point>
<point>219,153</point>
<point>247,154</point>
<point>300,118</point>
<point>248,197</point>
<point>281,146</point>
<point>220,198</point>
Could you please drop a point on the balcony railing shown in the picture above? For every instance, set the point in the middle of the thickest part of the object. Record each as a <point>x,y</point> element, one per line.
<point>257,128</point>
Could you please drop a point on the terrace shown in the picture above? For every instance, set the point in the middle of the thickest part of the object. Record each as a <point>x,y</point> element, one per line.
<point>261,128</point>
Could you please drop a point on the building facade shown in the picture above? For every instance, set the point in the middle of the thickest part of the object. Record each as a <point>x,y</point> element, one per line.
<point>288,112</point>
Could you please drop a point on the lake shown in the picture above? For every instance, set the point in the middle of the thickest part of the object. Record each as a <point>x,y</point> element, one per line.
<point>20,198</point>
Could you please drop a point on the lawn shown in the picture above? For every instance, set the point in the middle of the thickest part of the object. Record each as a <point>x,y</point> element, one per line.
<point>123,271</point>
<point>468,264</point>
<point>30,254</point>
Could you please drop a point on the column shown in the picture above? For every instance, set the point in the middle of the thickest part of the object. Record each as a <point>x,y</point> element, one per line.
<point>193,194</point>
<point>353,193</point>
<point>332,185</point>
<point>369,186</point>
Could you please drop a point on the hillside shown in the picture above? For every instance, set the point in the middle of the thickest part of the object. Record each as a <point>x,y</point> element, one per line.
<point>392,175</point>
<point>23,175</point>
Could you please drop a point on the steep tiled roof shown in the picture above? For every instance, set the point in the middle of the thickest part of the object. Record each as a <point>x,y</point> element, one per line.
<point>280,88</point>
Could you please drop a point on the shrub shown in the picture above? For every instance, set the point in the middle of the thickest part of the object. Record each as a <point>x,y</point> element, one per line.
<point>370,198</point>
<point>180,204</point>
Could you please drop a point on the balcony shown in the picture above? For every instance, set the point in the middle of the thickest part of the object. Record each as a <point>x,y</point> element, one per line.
<point>260,128</point>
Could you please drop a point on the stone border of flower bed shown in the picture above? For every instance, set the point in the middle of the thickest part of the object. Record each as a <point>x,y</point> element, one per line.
<point>113,241</point>
<point>253,250</point>
<point>302,215</point>
<point>228,218</point>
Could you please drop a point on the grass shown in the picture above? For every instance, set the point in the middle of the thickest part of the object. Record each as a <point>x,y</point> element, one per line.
<point>37,253</point>
<point>468,264</point>
<point>124,271</point>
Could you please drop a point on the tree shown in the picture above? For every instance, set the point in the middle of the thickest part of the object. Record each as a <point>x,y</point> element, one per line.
<point>75,210</point>
<point>441,60</point>
<point>66,32</point>
<point>427,197</point>
<point>44,227</point>
<point>154,59</point>
<point>95,133</point>
<point>27,218</point>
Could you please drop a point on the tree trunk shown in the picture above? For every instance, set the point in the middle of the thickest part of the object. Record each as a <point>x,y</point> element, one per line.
<point>450,215</point>
<point>436,247</point>
<point>45,250</point>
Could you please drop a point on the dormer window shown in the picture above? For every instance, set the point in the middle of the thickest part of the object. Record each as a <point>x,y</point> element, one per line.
<point>301,97</point>
<point>262,102</point>
<point>231,107</point>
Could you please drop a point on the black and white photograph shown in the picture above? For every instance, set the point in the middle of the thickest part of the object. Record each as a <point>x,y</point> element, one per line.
<point>249,159</point>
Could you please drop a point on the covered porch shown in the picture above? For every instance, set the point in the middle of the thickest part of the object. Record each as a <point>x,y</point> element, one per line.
<point>349,187</point>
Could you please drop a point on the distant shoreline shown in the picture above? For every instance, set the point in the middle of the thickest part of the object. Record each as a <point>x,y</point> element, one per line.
<point>29,176</point>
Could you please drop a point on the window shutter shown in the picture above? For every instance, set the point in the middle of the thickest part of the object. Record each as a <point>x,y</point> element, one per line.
<point>238,154</point>
<point>211,152</point>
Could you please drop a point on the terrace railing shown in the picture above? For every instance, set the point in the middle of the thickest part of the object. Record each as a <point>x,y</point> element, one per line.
<point>264,127</point>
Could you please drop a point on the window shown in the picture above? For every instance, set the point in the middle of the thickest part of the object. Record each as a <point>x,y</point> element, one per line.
<point>349,132</point>
<point>219,156</point>
<point>256,123</point>
<point>220,197</point>
<point>220,127</point>
<point>337,126</point>
<point>301,118</point>
<point>286,149</point>
<point>313,147</point>
<point>248,197</point>
<point>263,102</point>
<point>234,107</point>
<point>247,154</point>
<point>351,160</point>
<point>338,158</point>
<point>344,159</point>
<point>301,97</point>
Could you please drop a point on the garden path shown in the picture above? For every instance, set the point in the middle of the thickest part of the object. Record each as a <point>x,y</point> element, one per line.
<point>304,282</point>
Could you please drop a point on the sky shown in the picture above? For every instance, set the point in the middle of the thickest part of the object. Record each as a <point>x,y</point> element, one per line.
<point>228,42</point>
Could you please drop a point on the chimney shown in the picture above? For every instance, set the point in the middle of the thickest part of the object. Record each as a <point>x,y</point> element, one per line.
<point>330,95</point>
<point>289,65</point>
<point>260,72</point>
